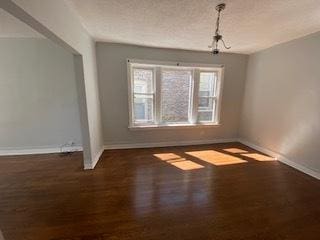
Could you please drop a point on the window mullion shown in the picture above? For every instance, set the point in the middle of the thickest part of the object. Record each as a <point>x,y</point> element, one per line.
<point>196,81</point>
<point>218,95</point>
<point>130,92</point>
<point>214,110</point>
<point>157,95</point>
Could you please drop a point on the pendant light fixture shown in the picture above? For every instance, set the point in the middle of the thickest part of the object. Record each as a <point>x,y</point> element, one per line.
<point>218,37</point>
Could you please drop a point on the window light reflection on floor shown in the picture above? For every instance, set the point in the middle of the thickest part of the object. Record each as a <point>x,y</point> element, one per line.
<point>216,158</point>
<point>177,161</point>
<point>235,150</point>
<point>258,157</point>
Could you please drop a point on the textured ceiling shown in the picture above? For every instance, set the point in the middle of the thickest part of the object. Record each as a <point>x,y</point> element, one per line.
<point>247,25</point>
<point>10,27</point>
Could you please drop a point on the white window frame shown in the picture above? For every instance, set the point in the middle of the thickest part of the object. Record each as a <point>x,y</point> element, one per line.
<point>193,114</point>
<point>142,123</point>
<point>215,98</point>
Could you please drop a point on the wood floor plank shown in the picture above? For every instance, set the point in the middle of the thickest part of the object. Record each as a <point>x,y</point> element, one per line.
<point>221,191</point>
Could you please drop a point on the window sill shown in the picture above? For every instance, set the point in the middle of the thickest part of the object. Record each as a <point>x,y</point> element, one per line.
<point>175,126</point>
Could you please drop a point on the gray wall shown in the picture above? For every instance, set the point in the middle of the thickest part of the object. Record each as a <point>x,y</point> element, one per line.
<point>38,95</point>
<point>59,23</point>
<point>281,107</point>
<point>112,73</point>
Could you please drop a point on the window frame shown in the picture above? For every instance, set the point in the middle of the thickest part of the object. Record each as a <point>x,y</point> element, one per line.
<point>214,98</point>
<point>196,69</point>
<point>148,68</point>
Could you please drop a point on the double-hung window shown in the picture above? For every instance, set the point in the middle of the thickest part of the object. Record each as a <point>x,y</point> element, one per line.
<point>143,95</point>
<point>163,94</point>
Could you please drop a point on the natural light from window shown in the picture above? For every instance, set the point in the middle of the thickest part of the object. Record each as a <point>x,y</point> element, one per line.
<point>235,150</point>
<point>216,158</point>
<point>177,161</point>
<point>167,95</point>
<point>207,97</point>
<point>175,95</point>
<point>258,157</point>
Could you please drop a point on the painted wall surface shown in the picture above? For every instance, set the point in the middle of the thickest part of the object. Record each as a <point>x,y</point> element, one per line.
<point>38,95</point>
<point>281,106</point>
<point>58,17</point>
<point>113,86</point>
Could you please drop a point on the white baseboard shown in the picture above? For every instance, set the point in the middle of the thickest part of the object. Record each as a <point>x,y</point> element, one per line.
<point>90,166</point>
<point>282,159</point>
<point>167,144</point>
<point>38,150</point>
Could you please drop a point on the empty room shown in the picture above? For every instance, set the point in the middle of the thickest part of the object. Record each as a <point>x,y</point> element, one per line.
<point>167,119</point>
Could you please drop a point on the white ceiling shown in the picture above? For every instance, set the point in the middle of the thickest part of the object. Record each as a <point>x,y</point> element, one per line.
<point>247,25</point>
<point>11,27</point>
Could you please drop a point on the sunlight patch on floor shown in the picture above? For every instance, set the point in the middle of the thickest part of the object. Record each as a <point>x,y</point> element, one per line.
<point>235,150</point>
<point>186,165</point>
<point>216,158</point>
<point>259,157</point>
<point>177,161</point>
<point>167,156</point>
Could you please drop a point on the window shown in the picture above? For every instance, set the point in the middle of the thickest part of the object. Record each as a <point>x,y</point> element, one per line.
<point>173,94</point>
<point>207,98</point>
<point>143,95</point>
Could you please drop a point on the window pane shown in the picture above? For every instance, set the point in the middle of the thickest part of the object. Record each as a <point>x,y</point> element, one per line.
<point>205,114</point>
<point>143,108</point>
<point>143,80</point>
<point>175,95</point>
<point>205,103</point>
<point>207,84</point>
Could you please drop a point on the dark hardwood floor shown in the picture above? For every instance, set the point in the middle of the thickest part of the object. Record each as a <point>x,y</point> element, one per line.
<point>219,192</point>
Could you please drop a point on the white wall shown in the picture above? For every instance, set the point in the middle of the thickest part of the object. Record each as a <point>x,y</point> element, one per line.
<point>55,20</point>
<point>281,106</point>
<point>38,97</point>
<point>112,72</point>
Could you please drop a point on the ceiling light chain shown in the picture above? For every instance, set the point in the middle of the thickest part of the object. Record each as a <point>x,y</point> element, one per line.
<point>217,37</point>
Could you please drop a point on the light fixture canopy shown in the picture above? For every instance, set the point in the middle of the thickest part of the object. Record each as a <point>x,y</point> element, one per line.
<point>218,37</point>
